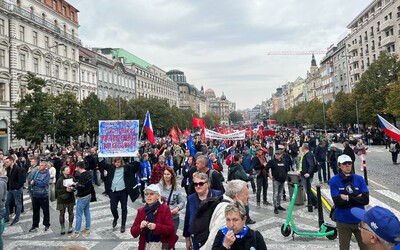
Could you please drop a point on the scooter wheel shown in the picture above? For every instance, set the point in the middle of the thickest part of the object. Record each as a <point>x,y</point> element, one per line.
<point>332,236</point>
<point>286,232</point>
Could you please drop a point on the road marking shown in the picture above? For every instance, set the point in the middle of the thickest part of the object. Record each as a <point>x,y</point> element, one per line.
<point>376,183</point>
<point>375,202</point>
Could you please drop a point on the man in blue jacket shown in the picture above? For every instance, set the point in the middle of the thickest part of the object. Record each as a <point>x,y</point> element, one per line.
<point>348,191</point>
<point>40,197</point>
<point>248,166</point>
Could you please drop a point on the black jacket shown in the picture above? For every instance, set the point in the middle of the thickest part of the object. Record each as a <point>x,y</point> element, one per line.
<point>348,151</point>
<point>15,177</point>
<point>129,175</point>
<point>245,243</point>
<point>307,165</point>
<point>84,186</point>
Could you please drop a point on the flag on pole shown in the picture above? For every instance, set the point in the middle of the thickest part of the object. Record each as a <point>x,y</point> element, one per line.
<point>174,135</point>
<point>190,146</point>
<point>198,122</point>
<point>389,129</point>
<point>149,128</point>
<point>186,133</point>
<point>179,131</point>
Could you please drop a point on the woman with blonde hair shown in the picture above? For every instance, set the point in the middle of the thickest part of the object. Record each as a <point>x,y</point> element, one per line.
<point>171,194</point>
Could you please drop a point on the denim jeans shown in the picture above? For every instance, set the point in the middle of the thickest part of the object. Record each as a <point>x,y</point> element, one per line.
<point>321,167</point>
<point>115,198</point>
<point>304,182</point>
<point>176,223</point>
<point>16,196</point>
<point>82,207</point>
<point>262,185</point>
<point>277,192</point>
<point>2,214</point>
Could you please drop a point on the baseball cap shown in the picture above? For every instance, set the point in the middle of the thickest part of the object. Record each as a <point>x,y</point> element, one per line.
<point>381,220</point>
<point>245,148</point>
<point>278,152</point>
<point>344,158</point>
<point>154,188</point>
<point>232,149</point>
<point>280,146</point>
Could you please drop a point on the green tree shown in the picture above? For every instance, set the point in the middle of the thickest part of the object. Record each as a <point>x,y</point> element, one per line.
<point>68,117</point>
<point>35,117</point>
<point>211,119</point>
<point>393,105</point>
<point>343,110</point>
<point>235,117</point>
<point>92,110</point>
<point>373,88</point>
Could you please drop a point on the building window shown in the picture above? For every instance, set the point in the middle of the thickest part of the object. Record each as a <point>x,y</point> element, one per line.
<point>46,42</point>
<point>73,75</point>
<point>35,38</point>
<point>56,47</point>
<point>2,58</point>
<point>66,73</point>
<point>54,5</point>
<point>22,33</point>
<point>73,53</point>
<point>2,91</point>
<point>72,16</point>
<point>1,26</point>
<point>22,59</point>
<point>65,50</point>
<point>64,10</point>
<point>57,71</point>
<point>47,65</point>
<point>36,65</point>
<point>83,76</point>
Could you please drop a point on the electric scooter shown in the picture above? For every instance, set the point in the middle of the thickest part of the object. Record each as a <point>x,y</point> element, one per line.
<point>325,230</point>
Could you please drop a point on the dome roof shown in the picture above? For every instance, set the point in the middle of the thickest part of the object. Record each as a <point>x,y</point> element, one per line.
<point>210,93</point>
<point>223,97</point>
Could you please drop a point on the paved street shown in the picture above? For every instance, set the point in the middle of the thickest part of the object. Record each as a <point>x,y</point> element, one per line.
<point>383,184</point>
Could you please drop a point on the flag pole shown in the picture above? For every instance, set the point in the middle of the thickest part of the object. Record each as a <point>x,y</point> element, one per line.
<point>144,122</point>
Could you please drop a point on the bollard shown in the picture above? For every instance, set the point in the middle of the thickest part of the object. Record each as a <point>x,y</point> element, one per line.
<point>319,204</point>
<point>328,168</point>
<point>309,203</point>
<point>365,171</point>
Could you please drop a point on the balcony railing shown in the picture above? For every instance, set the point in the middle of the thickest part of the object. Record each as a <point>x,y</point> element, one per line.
<point>387,24</point>
<point>387,40</point>
<point>38,20</point>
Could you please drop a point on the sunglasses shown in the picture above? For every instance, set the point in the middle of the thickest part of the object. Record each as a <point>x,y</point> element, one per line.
<point>199,184</point>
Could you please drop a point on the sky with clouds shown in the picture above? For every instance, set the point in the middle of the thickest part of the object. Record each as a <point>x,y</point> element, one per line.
<point>220,44</point>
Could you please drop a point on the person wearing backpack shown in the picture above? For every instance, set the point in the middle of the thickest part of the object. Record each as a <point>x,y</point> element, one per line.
<point>236,190</point>
<point>236,235</point>
<point>307,172</point>
<point>202,192</point>
<point>213,175</point>
<point>394,150</point>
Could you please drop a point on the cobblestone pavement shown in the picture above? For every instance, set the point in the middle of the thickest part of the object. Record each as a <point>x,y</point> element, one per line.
<point>383,184</point>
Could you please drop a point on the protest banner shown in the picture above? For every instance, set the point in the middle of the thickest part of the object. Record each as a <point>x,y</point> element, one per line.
<point>239,135</point>
<point>118,138</point>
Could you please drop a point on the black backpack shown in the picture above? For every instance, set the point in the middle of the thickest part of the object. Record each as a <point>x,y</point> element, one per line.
<point>231,173</point>
<point>316,163</point>
<point>203,217</point>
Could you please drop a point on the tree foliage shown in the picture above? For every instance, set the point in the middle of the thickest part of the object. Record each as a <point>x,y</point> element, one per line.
<point>373,88</point>
<point>35,117</point>
<point>235,117</point>
<point>392,99</point>
<point>211,119</point>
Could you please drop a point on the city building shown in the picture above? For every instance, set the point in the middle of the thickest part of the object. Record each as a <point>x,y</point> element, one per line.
<point>254,112</point>
<point>313,81</point>
<point>88,72</point>
<point>326,69</point>
<point>219,105</point>
<point>145,80</point>
<point>40,37</point>
<point>374,30</point>
<point>339,57</point>
<point>189,97</point>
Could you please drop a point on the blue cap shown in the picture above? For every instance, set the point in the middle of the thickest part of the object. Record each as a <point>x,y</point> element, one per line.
<point>381,220</point>
<point>245,148</point>
<point>232,149</point>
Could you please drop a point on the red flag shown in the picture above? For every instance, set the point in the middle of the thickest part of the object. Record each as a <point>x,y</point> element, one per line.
<point>231,130</point>
<point>217,127</point>
<point>224,131</point>
<point>260,131</point>
<point>186,133</point>
<point>174,135</point>
<point>240,128</point>
<point>203,134</point>
<point>179,131</point>
<point>198,123</point>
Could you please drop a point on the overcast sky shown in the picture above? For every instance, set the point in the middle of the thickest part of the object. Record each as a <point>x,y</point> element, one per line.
<point>220,44</point>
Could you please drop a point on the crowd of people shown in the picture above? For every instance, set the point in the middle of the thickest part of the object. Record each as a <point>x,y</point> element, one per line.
<point>171,177</point>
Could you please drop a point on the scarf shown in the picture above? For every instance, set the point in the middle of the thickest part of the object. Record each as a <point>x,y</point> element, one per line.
<point>150,217</point>
<point>348,184</point>
<point>240,235</point>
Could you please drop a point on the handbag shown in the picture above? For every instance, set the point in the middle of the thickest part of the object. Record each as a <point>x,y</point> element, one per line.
<point>156,246</point>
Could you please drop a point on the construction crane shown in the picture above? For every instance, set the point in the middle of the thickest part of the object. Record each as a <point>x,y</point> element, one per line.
<point>296,53</point>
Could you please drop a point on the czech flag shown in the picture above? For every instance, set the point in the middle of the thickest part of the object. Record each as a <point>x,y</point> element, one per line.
<point>389,129</point>
<point>149,128</point>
